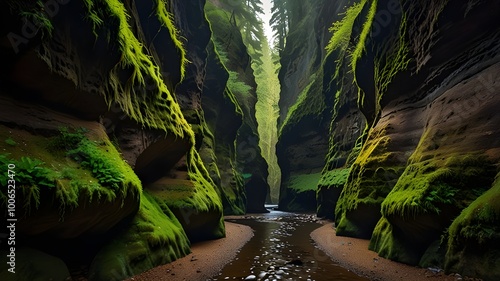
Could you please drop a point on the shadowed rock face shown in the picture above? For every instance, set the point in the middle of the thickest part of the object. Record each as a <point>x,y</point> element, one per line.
<point>412,144</point>
<point>120,82</point>
<point>425,84</point>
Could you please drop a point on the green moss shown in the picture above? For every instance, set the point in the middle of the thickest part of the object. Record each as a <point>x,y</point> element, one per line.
<point>334,178</point>
<point>10,142</point>
<point>158,109</point>
<point>68,165</point>
<point>342,30</point>
<point>360,46</point>
<point>167,19</point>
<point>473,238</point>
<point>304,182</point>
<point>154,237</point>
<point>388,245</point>
<point>35,13</point>
<point>372,176</point>
<point>428,186</point>
<point>194,200</point>
<point>479,221</point>
<point>310,102</point>
<point>237,86</point>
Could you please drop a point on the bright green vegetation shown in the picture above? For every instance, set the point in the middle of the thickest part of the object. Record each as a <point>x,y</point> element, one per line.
<point>159,108</point>
<point>474,236</point>
<point>194,200</point>
<point>310,102</point>
<point>334,178</point>
<point>267,113</point>
<point>304,182</point>
<point>372,176</point>
<point>342,30</point>
<point>153,237</point>
<point>68,165</point>
<point>428,196</point>
<point>428,186</point>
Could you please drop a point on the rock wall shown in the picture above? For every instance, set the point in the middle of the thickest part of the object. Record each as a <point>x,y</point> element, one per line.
<point>241,88</point>
<point>413,150</point>
<point>306,101</point>
<point>115,114</point>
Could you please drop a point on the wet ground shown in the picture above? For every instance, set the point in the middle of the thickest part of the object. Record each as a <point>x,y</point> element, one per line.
<point>282,249</point>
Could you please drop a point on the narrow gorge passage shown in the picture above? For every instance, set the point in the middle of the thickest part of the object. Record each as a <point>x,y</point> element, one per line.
<point>282,249</point>
<point>131,130</point>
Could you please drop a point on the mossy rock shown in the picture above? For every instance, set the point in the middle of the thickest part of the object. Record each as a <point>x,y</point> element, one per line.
<point>474,238</point>
<point>154,237</point>
<point>300,193</point>
<point>427,197</point>
<point>31,264</point>
<point>329,188</point>
<point>69,183</point>
<point>193,199</point>
<point>372,176</point>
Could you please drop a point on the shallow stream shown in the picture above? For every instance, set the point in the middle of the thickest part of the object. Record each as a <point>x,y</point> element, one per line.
<point>282,249</point>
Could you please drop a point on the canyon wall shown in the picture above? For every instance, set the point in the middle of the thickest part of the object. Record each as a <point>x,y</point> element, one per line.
<point>127,142</point>
<point>412,146</point>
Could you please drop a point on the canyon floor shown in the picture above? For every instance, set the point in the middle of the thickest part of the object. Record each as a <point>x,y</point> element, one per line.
<point>209,257</point>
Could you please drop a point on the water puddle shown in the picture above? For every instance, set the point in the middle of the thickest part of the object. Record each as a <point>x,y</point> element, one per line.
<point>282,249</point>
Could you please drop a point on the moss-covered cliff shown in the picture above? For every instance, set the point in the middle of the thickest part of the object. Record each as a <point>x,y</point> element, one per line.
<point>115,115</point>
<point>241,87</point>
<point>413,135</point>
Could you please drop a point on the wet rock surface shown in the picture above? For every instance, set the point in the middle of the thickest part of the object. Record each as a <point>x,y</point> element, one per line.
<point>281,249</point>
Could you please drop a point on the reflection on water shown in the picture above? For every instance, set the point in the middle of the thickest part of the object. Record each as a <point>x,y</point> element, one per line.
<point>282,249</point>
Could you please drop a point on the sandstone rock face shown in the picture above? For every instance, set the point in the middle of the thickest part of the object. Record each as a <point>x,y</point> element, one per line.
<point>241,89</point>
<point>103,114</point>
<point>426,82</point>
<point>306,100</point>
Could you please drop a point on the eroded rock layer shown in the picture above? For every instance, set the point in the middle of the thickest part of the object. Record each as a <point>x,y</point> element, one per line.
<point>413,141</point>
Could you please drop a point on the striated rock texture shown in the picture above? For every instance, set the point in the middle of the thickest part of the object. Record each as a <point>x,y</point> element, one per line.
<point>309,84</point>
<point>244,154</point>
<point>413,143</point>
<point>123,132</point>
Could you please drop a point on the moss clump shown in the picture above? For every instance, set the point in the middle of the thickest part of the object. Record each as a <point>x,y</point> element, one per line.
<point>334,178</point>
<point>330,186</point>
<point>68,165</point>
<point>194,200</point>
<point>372,176</point>
<point>154,237</point>
<point>304,182</point>
<point>427,196</point>
<point>430,185</point>
<point>301,193</point>
<point>310,102</point>
<point>391,244</point>
<point>159,108</point>
<point>473,238</point>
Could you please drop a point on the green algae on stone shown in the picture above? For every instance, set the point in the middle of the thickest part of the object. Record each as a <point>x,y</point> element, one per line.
<point>158,109</point>
<point>153,237</point>
<point>371,178</point>
<point>427,197</point>
<point>473,238</point>
<point>67,166</point>
<point>194,200</point>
